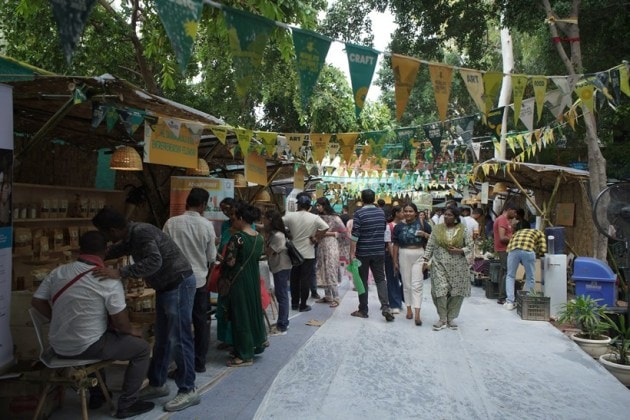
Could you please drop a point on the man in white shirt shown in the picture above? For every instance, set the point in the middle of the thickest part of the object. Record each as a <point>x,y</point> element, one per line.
<point>195,236</point>
<point>472,225</point>
<point>305,229</point>
<point>79,305</point>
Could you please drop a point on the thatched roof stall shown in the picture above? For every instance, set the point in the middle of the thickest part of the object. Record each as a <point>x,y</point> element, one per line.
<point>57,144</point>
<point>555,191</point>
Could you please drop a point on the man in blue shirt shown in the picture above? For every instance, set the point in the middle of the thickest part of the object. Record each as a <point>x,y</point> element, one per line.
<point>368,242</point>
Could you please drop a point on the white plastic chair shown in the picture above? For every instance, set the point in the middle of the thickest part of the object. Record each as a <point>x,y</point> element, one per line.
<point>81,369</point>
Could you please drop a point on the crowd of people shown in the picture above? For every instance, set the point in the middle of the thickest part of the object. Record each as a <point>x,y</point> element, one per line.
<point>398,247</point>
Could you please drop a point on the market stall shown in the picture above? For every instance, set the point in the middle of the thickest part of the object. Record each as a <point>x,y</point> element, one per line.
<point>556,194</point>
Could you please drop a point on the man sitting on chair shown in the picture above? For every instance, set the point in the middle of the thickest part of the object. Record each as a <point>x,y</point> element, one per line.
<point>79,304</point>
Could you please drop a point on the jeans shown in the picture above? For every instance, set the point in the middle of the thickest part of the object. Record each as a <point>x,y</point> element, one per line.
<point>114,346</point>
<point>376,263</point>
<point>301,277</point>
<point>173,336</point>
<point>281,290</point>
<point>201,326</point>
<point>516,257</point>
<point>394,286</point>
<point>503,256</point>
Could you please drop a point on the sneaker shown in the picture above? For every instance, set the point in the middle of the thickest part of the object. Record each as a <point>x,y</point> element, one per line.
<point>275,332</point>
<point>388,316</point>
<point>509,306</point>
<point>396,311</point>
<point>440,325</point>
<point>305,308</point>
<point>152,392</point>
<point>137,408</point>
<point>359,314</point>
<point>182,400</point>
<point>452,325</point>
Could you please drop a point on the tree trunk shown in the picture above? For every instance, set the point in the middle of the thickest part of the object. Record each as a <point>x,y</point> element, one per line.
<point>507,54</point>
<point>573,64</point>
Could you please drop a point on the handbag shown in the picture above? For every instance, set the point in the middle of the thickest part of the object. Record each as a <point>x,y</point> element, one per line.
<point>215,274</point>
<point>295,255</point>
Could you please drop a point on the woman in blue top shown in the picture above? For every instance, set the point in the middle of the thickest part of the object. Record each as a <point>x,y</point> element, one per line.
<point>409,240</point>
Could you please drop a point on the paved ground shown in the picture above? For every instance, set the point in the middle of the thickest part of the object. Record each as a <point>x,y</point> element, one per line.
<point>496,366</point>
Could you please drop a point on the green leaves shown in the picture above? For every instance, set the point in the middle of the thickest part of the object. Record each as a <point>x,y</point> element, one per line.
<point>584,312</point>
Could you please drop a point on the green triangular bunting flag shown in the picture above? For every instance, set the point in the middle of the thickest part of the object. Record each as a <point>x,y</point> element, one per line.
<point>248,35</point>
<point>71,16</point>
<point>362,62</point>
<point>310,54</point>
<point>180,19</point>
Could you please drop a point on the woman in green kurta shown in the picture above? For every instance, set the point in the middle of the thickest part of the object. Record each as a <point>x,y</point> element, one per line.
<point>449,249</point>
<point>224,326</point>
<point>242,305</point>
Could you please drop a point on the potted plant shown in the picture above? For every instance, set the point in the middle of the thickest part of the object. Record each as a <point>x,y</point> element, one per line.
<point>618,362</point>
<point>584,313</point>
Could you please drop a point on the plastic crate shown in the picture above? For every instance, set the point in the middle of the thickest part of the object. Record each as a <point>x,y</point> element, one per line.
<point>492,289</point>
<point>532,308</point>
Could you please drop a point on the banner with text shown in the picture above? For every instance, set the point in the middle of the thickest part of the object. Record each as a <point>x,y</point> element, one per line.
<point>362,62</point>
<point>310,54</point>
<point>171,142</point>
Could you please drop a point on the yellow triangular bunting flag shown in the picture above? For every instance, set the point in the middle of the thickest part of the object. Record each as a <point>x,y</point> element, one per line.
<point>269,140</point>
<point>346,144</point>
<point>540,88</point>
<point>491,87</point>
<point>244,137</point>
<point>474,83</point>
<point>405,72</point>
<point>441,77</point>
<point>319,144</point>
<point>519,83</point>
<point>220,131</point>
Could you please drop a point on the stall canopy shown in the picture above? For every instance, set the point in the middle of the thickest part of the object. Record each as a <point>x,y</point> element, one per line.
<point>556,193</point>
<point>52,106</point>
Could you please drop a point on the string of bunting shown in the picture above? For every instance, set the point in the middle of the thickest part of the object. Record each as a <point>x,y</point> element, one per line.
<point>248,36</point>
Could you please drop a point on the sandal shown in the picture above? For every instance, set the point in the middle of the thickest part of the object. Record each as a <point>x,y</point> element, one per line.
<point>236,362</point>
<point>334,304</point>
<point>323,300</point>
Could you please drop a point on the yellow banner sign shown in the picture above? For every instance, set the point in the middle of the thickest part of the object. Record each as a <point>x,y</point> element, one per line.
<point>255,169</point>
<point>170,142</point>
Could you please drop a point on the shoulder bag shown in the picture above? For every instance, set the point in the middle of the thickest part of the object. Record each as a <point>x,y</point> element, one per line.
<point>295,255</point>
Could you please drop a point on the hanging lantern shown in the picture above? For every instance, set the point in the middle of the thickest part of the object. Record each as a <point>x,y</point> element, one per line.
<point>202,169</point>
<point>126,158</point>
<point>263,195</point>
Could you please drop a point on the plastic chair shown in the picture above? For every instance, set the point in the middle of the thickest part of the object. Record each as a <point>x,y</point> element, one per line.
<point>79,376</point>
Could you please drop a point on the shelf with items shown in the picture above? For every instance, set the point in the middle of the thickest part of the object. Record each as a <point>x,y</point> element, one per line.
<point>34,202</point>
<point>41,243</point>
